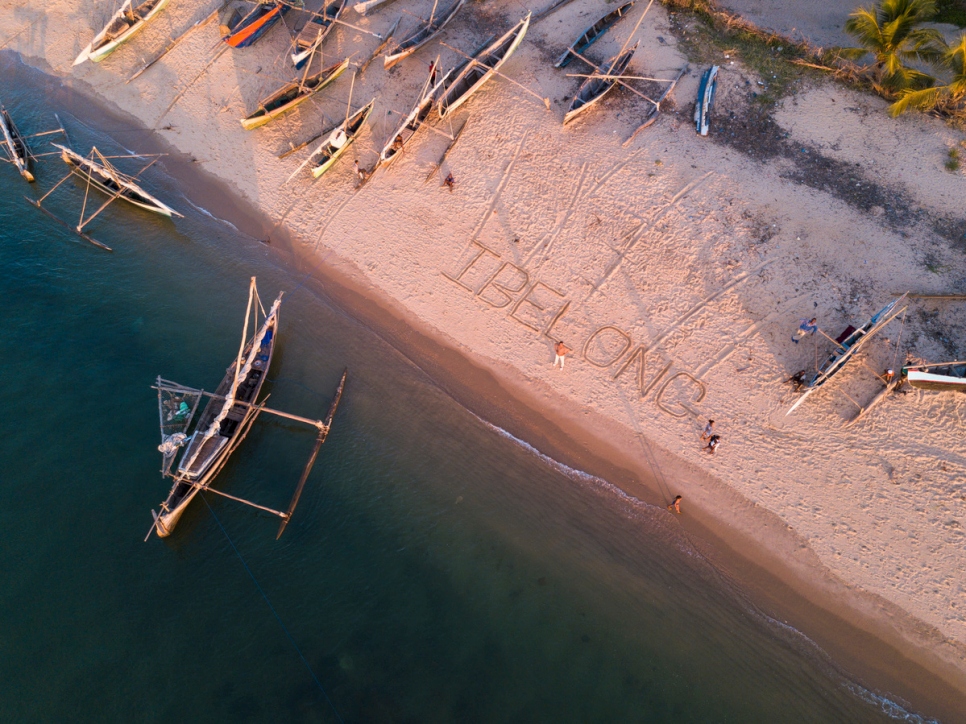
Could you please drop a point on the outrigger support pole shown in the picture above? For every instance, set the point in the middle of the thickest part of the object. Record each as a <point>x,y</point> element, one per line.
<point>323,434</point>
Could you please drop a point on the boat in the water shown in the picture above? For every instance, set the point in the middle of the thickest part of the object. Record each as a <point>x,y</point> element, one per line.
<point>848,344</point>
<point>127,22</point>
<point>102,175</point>
<point>291,95</point>
<point>417,116</point>
<point>481,68</point>
<point>258,22</point>
<point>429,30</point>
<point>315,31</point>
<point>17,148</point>
<point>599,84</point>
<point>591,34</point>
<point>225,421</point>
<point>939,377</point>
<point>702,107</point>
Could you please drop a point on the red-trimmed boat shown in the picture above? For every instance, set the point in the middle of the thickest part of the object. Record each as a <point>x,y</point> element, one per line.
<point>254,25</point>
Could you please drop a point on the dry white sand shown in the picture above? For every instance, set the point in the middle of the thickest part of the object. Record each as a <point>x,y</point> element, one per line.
<point>677,253</point>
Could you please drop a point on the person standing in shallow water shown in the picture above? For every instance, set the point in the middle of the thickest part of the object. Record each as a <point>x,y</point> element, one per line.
<point>560,352</point>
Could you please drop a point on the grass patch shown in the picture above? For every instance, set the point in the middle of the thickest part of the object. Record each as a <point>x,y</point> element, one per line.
<point>952,12</point>
<point>709,36</point>
<point>952,160</point>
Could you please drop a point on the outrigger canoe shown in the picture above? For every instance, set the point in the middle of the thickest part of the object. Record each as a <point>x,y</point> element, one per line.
<point>417,116</point>
<point>315,31</point>
<point>291,95</point>
<point>254,25</point>
<point>123,25</point>
<point>591,34</point>
<point>339,140</point>
<point>481,68</point>
<point>112,182</point>
<point>427,32</point>
<point>16,145</point>
<point>598,85</point>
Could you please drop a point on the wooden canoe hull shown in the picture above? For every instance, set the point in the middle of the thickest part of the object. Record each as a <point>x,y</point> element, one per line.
<point>327,76</point>
<point>16,145</point>
<point>593,33</point>
<point>103,181</point>
<point>254,25</point>
<point>924,380</point>
<point>418,39</point>
<point>185,486</point>
<point>594,88</point>
<point>352,128</point>
<point>96,56</point>
<point>469,80</point>
<point>305,44</point>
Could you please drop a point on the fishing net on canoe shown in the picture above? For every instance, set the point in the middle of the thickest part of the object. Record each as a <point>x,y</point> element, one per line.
<point>176,408</point>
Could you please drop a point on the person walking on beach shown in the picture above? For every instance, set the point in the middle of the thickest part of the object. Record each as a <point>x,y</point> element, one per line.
<point>708,429</point>
<point>449,181</point>
<point>675,507</point>
<point>713,443</point>
<point>360,172</point>
<point>808,326</point>
<point>560,352</point>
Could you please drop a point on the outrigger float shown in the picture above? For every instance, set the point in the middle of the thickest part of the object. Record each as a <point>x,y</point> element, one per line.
<point>225,422</point>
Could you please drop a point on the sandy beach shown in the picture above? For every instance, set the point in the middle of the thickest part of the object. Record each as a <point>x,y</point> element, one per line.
<point>675,266</point>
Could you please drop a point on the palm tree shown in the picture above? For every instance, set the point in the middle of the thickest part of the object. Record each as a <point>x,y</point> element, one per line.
<point>954,61</point>
<point>891,32</point>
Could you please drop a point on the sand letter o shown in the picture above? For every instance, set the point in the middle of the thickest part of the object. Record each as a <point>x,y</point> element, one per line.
<point>595,335</point>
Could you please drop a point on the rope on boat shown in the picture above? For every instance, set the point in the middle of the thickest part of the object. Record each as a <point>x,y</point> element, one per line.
<point>272,608</point>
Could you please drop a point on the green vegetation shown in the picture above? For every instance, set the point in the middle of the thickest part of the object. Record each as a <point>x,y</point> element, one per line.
<point>952,12</point>
<point>890,32</point>
<point>952,162</point>
<point>947,96</point>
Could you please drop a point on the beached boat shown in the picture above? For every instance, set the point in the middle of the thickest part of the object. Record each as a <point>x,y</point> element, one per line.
<point>591,34</point>
<point>258,22</point>
<point>291,95</point>
<point>702,106</point>
<point>941,377</point>
<point>102,175</point>
<point>339,140</point>
<point>16,146</point>
<point>481,68</point>
<point>849,342</point>
<point>225,421</point>
<point>433,27</point>
<point>365,7</point>
<point>598,85</point>
<point>417,116</point>
<point>123,25</point>
<point>315,31</point>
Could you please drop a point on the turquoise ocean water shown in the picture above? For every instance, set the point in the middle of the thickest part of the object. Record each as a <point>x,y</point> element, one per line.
<point>436,569</point>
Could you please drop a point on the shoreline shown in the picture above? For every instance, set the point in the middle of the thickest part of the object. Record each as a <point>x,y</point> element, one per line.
<point>506,398</point>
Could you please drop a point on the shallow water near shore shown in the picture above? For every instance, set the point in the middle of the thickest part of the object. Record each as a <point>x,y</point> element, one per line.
<point>435,570</point>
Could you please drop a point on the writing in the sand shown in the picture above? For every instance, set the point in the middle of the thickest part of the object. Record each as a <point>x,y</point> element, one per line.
<point>536,305</point>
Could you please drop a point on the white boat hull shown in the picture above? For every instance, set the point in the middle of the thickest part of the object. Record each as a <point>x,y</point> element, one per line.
<point>936,383</point>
